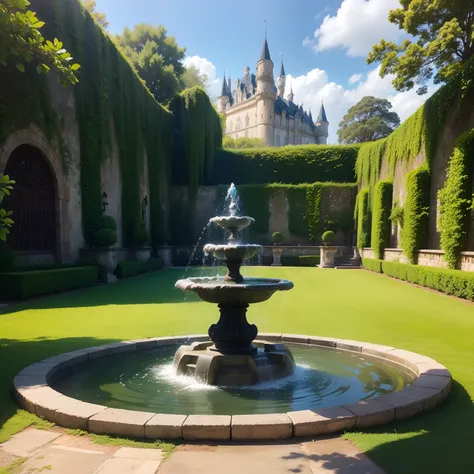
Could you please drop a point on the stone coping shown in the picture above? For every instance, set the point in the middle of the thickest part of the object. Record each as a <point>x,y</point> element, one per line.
<point>432,383</point>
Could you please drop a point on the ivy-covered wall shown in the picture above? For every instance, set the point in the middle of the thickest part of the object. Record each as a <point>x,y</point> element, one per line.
<point>301,212</point>
<point>424,142</point>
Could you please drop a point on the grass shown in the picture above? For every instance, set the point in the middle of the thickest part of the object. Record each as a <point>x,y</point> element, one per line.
<point>349,304</point>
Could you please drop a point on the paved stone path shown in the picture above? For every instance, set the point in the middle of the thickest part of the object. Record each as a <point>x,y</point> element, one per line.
<point>54,452</point>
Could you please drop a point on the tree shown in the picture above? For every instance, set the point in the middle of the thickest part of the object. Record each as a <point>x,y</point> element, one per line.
<point>443,41</point>
<point>242,142</point>
<point>368,120</point>
<point>21,42</point>
<point>156,57</point>
<point>100,18</point>
<point>5,220</point>
<point>192,77</point>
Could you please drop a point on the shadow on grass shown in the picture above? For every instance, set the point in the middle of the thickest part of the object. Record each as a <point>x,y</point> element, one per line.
<point>16,355</point>
<point>153,288</point>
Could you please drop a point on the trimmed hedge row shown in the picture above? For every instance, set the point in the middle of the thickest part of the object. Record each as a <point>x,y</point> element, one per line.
<point>128,269</point>
<point>363,217</point>
<point>290,165</point>
<point>381,207</point>
<point>451,282</point>
<point>300,261</point>
<point>23,285</point>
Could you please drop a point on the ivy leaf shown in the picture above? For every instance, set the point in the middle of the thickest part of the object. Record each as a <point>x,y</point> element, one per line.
<point>20,67</point>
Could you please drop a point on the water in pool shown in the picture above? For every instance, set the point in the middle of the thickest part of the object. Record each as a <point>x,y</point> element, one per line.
<point>144,380</point>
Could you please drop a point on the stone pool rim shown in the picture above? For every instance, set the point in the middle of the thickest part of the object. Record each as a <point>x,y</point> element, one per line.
<point>431,385</point>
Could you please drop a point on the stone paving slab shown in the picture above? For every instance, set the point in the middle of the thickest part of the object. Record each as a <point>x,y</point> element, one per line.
<point>27,442</point>
<point>139,453</point>
<point>62,460</point>
<point>128,466</point>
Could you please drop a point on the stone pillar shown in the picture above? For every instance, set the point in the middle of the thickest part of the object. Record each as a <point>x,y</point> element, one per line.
<point>327,257</point>
<point>277,251</point>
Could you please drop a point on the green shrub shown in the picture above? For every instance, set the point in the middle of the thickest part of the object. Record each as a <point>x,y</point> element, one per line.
<point>128,269</point>
<point>290,164</point>
<point>396,214</point>
<point>7,258</point>
<point>105,238</point>
<point>363,218</point>
<point>416,212</point>
<point>23,285</point>
<point>140,235</point>
<point>381,207</point>
<point>456,199</point>
<point>372,265</point>
<point>106,222</point>
<point>300,261</point>
<point>277,237</point>
<point>451,282</point>
<point>328,237</point>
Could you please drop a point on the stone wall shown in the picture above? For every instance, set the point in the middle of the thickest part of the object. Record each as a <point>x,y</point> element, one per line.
<point>208,203</point>
<point>426,258</point>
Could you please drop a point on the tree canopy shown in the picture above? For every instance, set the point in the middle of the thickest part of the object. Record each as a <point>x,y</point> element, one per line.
<point>157,58</point>
<point>370,119</point>
<point>21,42</point>
<point>442,41</point>
<point>99,17</point>
<point>193,78</point>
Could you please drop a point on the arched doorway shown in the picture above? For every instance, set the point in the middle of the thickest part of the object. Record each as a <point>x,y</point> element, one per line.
<point>33,201</point>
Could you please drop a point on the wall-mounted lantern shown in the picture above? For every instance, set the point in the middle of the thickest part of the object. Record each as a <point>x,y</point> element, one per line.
<point>144,207</point>
<point>104,201</point>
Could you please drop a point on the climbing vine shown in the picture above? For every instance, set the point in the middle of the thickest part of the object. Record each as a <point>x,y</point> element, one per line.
<point>416,212</point>
<point>456,199</point>
<point>381,207</point>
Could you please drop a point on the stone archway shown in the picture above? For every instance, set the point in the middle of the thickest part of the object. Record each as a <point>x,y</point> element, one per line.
<point>33,201</point>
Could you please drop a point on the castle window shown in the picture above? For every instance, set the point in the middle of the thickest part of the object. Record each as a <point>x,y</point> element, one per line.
<point>231,126</point>
<point>247,121</point>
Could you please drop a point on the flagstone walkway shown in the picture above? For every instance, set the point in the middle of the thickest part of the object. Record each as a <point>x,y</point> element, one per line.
<point>54,452</point>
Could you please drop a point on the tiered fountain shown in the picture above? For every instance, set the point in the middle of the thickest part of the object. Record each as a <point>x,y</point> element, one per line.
<point>233,357</point>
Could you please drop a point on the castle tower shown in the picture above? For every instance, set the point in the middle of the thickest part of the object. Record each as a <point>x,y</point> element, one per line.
<point>323,126</point>
<point>291,96</point>
<point>281,81</point>
<point>265,97</point>
<point>224,98</point>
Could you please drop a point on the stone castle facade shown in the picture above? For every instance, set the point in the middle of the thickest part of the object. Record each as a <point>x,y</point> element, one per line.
<point>256,108</point>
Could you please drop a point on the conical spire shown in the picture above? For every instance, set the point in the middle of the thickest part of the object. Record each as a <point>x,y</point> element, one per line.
<point>322,114</point>
<point>282,69</point>
<point>224,86</point>
<point>265,51</point>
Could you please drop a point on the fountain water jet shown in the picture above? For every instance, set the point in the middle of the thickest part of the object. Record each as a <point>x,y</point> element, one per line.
<point>231,357</point>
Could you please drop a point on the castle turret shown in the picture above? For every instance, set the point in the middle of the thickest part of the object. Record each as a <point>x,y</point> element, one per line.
<point>224,98</point>
<point>291,96</point>
<point>265,96</point>
<point>281,81</point>
<point>322,124</point>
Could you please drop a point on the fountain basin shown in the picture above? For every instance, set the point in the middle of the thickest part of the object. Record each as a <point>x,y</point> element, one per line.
<point>237,252</point>
<point>220,291</point>
<point>232,222</point>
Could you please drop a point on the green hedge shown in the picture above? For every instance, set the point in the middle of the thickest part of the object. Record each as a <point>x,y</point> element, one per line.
<point>362,215</point>
<point>290,164</point>
<point>452,282</point>
<point>415,213</point>
<point>381,225</point>
<point>372,265</point>
<point>128,269</point>
<point>23,285</point>
<point>300,261</point>
<point>456,199</point>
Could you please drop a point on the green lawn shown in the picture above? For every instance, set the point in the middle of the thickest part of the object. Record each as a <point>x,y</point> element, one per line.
<point>348,304</point>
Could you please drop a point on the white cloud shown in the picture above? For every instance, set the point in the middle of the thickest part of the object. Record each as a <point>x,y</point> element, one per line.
<point>206,67</point>
<point>356,27</point>
<point>315,86</point>
<point>355,78</point>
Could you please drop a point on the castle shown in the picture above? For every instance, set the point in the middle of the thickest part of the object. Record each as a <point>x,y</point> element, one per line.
<point>256,108</point>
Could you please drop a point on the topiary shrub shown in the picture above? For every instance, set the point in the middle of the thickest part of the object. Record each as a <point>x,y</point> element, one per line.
<point>328,237</point>
<point>141,236</point>
<point>416,212</point>
<point>106,222</point>
<point>277,237</point>
<point>362,213</point>
<point>105,238</point>
<point>381,206</point>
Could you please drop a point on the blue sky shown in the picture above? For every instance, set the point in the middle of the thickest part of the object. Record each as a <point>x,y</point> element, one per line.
<point>323,42</point>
